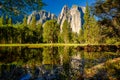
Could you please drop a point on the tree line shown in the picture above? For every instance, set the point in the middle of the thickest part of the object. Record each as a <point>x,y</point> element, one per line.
<point>104,30</point>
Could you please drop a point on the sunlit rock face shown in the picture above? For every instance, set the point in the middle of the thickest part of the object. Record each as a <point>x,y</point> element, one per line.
<point>74,16</point>
<point>41,16</point>
<point>64,15</point>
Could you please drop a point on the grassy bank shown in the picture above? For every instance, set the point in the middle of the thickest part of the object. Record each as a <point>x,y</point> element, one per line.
<point>40,45</point>
<point>52,44</point>
<point>86,47</point>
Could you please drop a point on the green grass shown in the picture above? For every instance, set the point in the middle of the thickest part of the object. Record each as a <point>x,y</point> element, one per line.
<point>40,45</point>
<point>46,44</point>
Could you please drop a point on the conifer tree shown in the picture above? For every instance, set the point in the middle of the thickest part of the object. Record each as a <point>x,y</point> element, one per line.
<point>86,24</point>
<point>39,32</point>
<point>81,36</point>
<point>51,31</point>
<point>91,28</point>
<point>10,21</point>
<point>1,20</point>
<point>108,12</point>
<point>74,37</point>
<point>33,22</point>
<point>15,7</point>
<point>25,21</point>
<point>6,20</point>
<point>66,32</point>
<point>94,31</point>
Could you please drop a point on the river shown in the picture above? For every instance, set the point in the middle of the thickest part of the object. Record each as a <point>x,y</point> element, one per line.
<point>58,63</point>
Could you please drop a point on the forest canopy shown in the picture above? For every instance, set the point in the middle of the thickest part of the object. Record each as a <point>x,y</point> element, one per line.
<point>108,12</point>
<point>15,7</point>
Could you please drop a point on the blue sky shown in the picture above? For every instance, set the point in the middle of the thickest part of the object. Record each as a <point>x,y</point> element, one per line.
<point>55,6</point>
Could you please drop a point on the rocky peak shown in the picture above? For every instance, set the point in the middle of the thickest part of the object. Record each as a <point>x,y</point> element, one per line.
<point>41,16</point>
<point>64,15</point>
<point>74,16</point>
<point>65,9</point>
<point>77,18</point>
<point>75,7</point>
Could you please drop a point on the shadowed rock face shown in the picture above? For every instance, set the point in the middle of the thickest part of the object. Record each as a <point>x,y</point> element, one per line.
<point>41,17</point>
<point>74,16</point>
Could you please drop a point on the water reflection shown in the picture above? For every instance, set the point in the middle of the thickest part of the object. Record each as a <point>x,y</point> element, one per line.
<point>57,63</point>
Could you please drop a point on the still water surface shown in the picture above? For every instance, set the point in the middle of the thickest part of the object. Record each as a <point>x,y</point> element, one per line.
<point>57,63</point>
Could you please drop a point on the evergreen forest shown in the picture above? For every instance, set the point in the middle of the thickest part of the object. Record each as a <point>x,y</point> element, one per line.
<point>104,30</point>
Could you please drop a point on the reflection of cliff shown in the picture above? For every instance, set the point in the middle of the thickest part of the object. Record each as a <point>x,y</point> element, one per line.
<point>76,61</point>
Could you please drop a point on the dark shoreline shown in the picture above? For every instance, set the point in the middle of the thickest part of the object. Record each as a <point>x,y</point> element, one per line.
<point>98,48</point>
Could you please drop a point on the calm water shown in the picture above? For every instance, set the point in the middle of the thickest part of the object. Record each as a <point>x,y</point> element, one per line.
<point>57,63</point>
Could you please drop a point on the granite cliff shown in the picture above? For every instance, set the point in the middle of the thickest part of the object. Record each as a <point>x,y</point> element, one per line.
<point>41,16</point>
<point>74,16</point>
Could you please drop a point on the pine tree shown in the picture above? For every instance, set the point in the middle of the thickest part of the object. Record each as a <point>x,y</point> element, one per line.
<point>86,24</point>
<point>81,36</point>
<point>39,32</point>
<point>10,22</point>
<point>1,20</point>
<point>86,17</point>
<point>94,31</point>
<point>6,20</point>
<point>33,22</point>
<point>51,31</point>
<point>25,21</point>
<point>108,12</point>
<point>74,37</point>
<point>66,32</point>
<point>15,7</point>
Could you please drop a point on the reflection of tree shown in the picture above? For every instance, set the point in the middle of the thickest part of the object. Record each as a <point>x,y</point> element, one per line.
<point>20,55</point>
<point>66,62</point>
<point>9,54</point>
<point>83,64</point>
<point>32,56</point>
<point>50,55</point>
<point>91,63</point>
